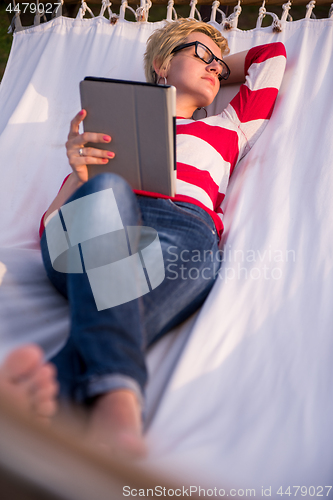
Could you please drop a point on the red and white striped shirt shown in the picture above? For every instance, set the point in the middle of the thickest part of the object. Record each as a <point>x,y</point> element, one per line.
<point>208,150</point>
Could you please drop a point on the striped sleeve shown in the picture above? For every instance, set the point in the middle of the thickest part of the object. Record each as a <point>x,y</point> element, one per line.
<point>252,107</point>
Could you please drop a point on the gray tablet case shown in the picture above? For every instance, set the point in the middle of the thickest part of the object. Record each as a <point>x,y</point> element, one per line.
<point>140,118</point>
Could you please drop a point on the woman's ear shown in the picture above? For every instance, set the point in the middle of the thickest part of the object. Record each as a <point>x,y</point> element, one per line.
<point>159,70</point>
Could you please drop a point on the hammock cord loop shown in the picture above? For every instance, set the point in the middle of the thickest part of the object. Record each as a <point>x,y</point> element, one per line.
<point>16,24</point>
<point>142,12</point>
<point>309,8</point>
<point>194,10</point>
<point>232,20</point>
<point>276,24</point>
<point>214,10</point>
<point>106,4</point>
<point>330,14</point>
<point>124,5</point>
<point>286,8</point>
<point>58,10</point>
<point>171,11</point>
<point>83,9</point>
<point>39,14</point>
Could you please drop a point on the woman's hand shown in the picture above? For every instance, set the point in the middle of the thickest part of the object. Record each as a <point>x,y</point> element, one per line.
<point>75,144</point>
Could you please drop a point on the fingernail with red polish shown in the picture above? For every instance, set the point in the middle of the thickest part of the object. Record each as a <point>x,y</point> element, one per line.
<point>105,160</point>
<point>111,155</point>
<point>106,138</point>
<point>81,112</point>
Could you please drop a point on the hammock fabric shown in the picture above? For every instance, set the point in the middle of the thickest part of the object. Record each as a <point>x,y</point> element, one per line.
<point>247,396</point>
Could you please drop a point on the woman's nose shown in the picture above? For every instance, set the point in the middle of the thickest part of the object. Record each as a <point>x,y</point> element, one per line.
<point>213,66</point>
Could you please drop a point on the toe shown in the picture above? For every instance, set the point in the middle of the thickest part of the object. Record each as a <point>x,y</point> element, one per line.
<point>44,389</point>
<point>22,363</point>
<point>46,393</point>
<point>43,378</point>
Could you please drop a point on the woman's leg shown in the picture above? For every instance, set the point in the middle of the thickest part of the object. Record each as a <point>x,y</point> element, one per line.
<point>189,245</point>
<point>94,360</point>
<point>191,259</point>
<point>105,352</point>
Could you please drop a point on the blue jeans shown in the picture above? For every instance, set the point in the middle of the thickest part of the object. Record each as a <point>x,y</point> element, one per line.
<point>105,349</point>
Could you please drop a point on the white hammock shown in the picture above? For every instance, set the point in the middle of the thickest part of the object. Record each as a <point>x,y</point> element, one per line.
<point>248,397</point>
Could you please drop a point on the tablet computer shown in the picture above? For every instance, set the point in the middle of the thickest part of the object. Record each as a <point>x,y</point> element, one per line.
<point>140,118</point>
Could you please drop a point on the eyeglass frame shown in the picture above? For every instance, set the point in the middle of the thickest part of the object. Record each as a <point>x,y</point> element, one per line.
<point>213,56</point>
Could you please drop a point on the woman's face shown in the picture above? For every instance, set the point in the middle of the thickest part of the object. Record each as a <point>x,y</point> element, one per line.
<point>196,82</point>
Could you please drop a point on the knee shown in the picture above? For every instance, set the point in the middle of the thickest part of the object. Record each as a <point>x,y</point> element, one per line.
<point>123,196</point>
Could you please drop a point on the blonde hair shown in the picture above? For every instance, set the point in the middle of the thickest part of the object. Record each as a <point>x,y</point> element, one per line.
<point>162,41</point>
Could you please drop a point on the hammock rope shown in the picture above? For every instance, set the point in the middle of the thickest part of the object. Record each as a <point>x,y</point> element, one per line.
<point>16,21</point>
<point>141,14</point>
<point>58,11</point>
<point>194,10</point>
<point>83,9</point>
<point>229,22</point>
<point>106,4</point>
<point>39,14</point>
<point>285,12</point>
<point>276,24</point>
<point>171,11</point>
<point>309,8</point>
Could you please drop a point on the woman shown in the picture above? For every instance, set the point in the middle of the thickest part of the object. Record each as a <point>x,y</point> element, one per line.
<point>102,365</point>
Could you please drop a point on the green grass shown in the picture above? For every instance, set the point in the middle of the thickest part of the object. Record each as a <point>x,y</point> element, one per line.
<point>247,19</point>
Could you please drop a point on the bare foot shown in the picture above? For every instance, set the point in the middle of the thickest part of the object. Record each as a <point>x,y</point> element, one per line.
<point>29,383</point>
<point>116,424</point>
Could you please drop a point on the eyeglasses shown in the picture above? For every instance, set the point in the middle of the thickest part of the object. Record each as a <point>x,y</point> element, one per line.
<point>207,56</point>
